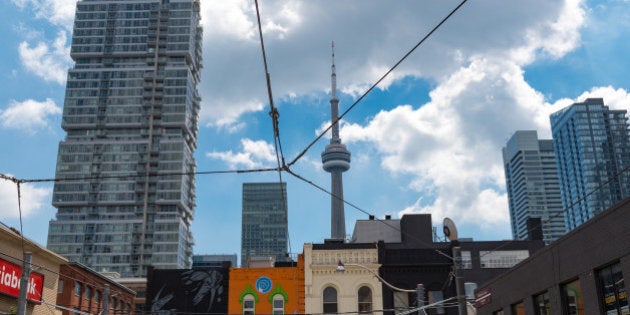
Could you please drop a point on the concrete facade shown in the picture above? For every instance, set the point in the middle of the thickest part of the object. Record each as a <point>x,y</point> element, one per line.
<point>580,256</point>
<point>321,272</point>
<point>531,178</point>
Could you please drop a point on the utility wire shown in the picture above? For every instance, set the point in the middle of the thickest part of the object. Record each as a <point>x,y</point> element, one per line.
<point>376,83</point>
<point>275,115</point>
<point>565,210</point>
<point>365,212</point>
<point>130,176</point>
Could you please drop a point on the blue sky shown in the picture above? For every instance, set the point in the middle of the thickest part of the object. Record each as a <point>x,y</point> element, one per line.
<point>427,140</point>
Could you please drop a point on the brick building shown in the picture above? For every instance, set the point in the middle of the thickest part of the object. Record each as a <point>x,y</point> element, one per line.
<point>268,290</point>
<point>83,289</point>
<point>581,273</point>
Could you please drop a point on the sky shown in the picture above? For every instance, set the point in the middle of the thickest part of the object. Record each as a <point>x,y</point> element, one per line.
<point>428,139</point>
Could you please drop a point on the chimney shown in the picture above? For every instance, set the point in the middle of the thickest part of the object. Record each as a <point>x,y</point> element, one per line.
<point>388,217</point>
<point>371,217</point>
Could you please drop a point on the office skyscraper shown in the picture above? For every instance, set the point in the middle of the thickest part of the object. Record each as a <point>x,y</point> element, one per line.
<point>531,178</point>
<point>592,145</point>
<point>264,226</point>
<point>126,194</point>
<point>336,160</point>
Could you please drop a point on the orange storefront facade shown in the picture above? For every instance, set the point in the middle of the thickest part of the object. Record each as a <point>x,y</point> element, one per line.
<point>272,290</point>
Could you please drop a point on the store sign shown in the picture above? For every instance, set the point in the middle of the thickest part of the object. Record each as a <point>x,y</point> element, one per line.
<point>483,297</point>
<point>10,275</point>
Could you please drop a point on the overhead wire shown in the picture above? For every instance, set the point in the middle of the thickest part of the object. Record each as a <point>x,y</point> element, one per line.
<point>275,115</point>
<point>377,83</point>
<point>365,212</point>
<point>565,210</point>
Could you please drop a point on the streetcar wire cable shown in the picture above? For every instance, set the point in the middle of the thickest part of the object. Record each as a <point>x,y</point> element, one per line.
<point>373,86</point>
<point>275,115</point>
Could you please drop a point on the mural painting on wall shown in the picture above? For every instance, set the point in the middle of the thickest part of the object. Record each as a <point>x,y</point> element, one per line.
<point>264,286</point>
<point>183,290</point>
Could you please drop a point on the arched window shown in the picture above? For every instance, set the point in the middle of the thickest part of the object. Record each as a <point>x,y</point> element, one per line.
<point>365,300</point>
<point>278,304</point>
<point>330,300</point>
<point>249,305</point>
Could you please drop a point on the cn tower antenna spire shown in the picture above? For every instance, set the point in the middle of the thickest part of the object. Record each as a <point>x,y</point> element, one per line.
<point>333,76</point>
<point>336,160</point>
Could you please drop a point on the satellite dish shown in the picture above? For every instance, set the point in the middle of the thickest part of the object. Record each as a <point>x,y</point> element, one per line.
<point>450,231</point>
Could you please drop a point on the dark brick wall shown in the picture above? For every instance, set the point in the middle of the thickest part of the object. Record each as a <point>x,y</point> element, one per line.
<point>603,240</point>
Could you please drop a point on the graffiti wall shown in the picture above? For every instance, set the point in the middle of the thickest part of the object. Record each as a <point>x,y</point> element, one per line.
<point>187,290</point>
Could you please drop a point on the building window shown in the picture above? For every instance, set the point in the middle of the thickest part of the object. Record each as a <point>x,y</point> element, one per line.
<point>541,304</point>
<point>330,300</point>
<point>572,298</point>
<point>88,293</point>
<point>249,305</point>
<point>612,291</point>
<point>97,297</point>
<point>502,258</point>
<point>365,300</point>
<point>278,304</point>
<point>60,286</point>
<point>466,260</point>
<point>77,288</point>
<point>518,308</point>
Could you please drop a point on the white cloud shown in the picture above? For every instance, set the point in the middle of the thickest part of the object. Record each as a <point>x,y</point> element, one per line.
<point>57,12</point>
<point>49,61</point>
<point>32,200</point>
<point>614,98</point>
<point>369,39</point>
<point>451,145</point>
<point>255,154</point>
<point>29,115</point>
<point>224,115</point>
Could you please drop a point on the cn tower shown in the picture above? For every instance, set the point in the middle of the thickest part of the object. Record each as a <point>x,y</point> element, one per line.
<point>336,160</point>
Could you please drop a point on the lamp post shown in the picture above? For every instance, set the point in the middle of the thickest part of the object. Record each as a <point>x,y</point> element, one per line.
<point>450,231</point>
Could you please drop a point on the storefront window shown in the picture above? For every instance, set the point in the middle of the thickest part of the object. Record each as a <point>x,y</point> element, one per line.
<point>572,298</point>
<point>612,291</point>
<point>518,308</point>
<point>541,304</point>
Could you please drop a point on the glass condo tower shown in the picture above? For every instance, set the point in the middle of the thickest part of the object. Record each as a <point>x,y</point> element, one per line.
<point>125,193</point>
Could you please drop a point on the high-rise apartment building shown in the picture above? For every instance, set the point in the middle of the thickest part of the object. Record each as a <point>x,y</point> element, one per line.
<point>214,261</point>
<point>126,191</point>
<point>264,226</point>
<point>533,190</point>
<point>592,144</point>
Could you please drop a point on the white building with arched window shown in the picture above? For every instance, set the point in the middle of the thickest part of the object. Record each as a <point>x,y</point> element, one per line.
<point>329,290</point>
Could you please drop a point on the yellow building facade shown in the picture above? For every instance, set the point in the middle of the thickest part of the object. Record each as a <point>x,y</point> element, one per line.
<point>43,262</point>
<point>331,288</point>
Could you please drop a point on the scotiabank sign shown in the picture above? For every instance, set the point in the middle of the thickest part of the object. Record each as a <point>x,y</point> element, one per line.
<point>10,275</point>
